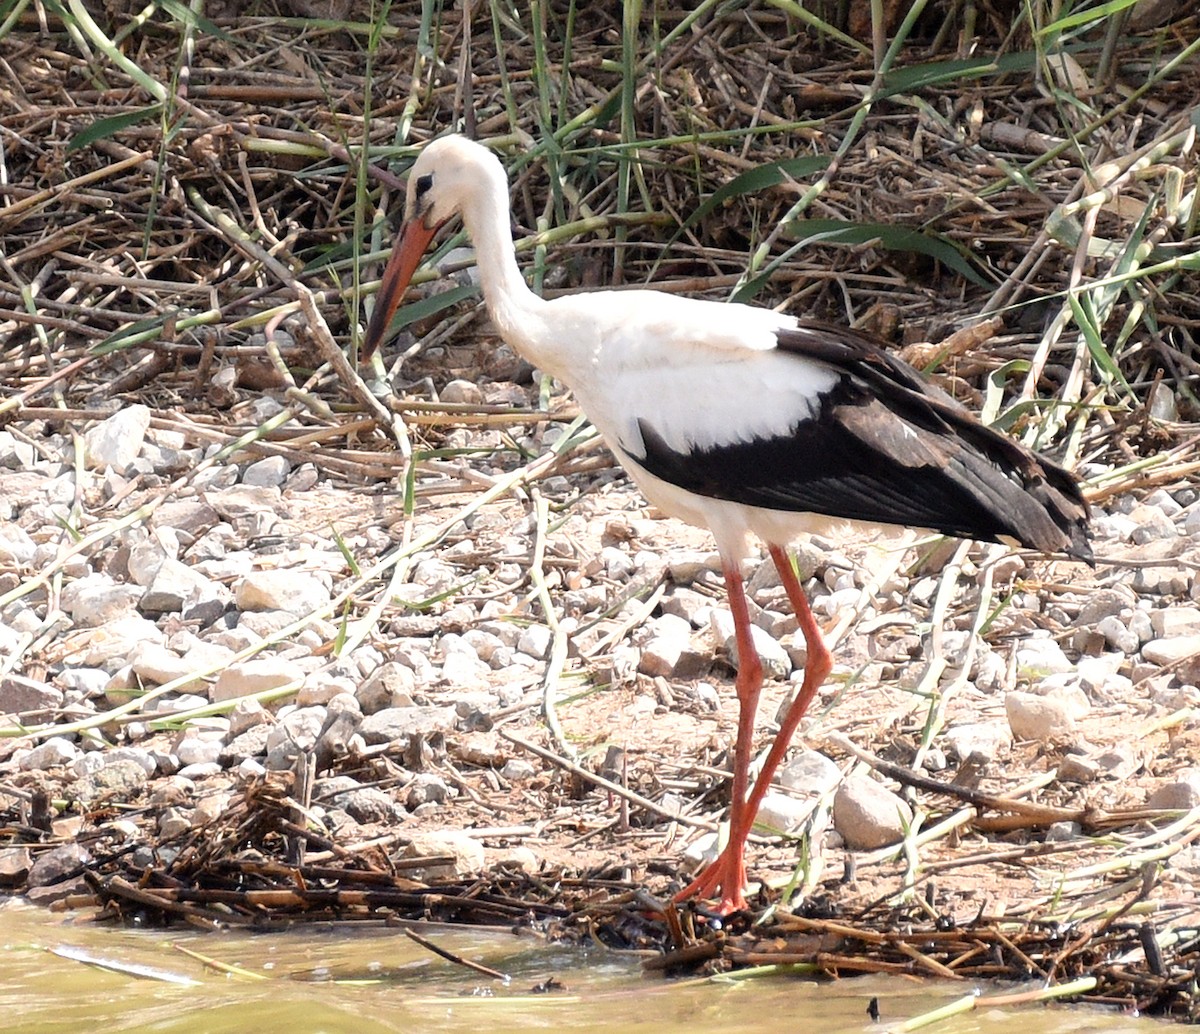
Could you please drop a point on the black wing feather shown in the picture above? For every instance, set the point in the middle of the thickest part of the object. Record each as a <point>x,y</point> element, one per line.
<point>886,447</point>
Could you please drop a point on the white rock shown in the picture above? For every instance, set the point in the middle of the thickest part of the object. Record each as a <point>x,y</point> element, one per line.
<point>176,585</point>
<point>1168,651</point>
<point>1117,634</point>
<point>254,676</point>
<point>775,660</point>
<point>1042,656</point>
<point>16,547</point>
<point>782,813</point>
<point>518,770</point>
<point>117,441</point>
<point>810,772</point>
<point>535,641</point>
<point>297,592</point>
<point>270,472</point>
<point>192,750</point>
<point>56,751</point>
<point>96,599</point>
<point>467,853</point>
<point>1170,622</point>
<point>868,815</point>
<point>1040,718</point>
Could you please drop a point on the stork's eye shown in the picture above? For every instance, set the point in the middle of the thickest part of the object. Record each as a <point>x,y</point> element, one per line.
<point>424,183</point>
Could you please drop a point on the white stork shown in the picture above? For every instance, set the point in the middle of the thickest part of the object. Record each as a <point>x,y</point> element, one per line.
<point>744,421</point>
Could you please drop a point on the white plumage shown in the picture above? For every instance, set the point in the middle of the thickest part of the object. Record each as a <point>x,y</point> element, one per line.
<point>744,421</point>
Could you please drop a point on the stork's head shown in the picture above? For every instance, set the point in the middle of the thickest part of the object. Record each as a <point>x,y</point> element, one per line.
<point>448,176</point>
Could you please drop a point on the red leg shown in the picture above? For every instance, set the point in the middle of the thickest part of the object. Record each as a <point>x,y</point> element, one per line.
<point>726,876</point>
<point>816,671</point>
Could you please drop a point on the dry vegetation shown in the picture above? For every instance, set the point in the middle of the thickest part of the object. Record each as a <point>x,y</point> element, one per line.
<point>1006,193</point>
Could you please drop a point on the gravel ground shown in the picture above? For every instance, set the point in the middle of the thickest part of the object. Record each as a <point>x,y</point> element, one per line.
<point>178,623</point>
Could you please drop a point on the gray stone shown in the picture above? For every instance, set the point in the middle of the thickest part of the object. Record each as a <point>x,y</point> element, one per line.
<point>1182,794</point>
<point>868,815</point>
<point>52,753</point>
<point>389,685</point>
<point>399,724</point>
<point>776,662</point>
<point>367,804</point>
<point>270,472</point>
<point>31,699</point>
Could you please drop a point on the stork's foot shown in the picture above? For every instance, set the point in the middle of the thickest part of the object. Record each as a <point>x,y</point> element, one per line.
<point>723,880</point>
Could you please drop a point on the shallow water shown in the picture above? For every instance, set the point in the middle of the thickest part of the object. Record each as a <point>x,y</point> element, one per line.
<point>362,981</point>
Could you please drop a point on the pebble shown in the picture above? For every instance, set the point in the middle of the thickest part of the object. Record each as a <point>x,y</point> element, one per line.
<point>254,676</point>
<point>270,472</point>
<point>535,641</point>
<point>294,592</point>
<point>809,772</point>
<point>868,815</point>
<point>1042,656</point>
<point>117,441</point>
<point>467,855</point>
<point>776,662</point>
<point>1181,794</point>
<point>30,698</point>
<point>397,725</point>
<point>1169,651</point>
<point>781,812</point>
<point>51,753</point>
<point>1043,719</point>
<point>176,585</point>
<point>390,685</point>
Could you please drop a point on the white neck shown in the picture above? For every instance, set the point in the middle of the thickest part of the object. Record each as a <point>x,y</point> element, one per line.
<point>513,307</point>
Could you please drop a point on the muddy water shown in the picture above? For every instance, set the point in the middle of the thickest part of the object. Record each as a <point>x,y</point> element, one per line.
<point>61,978</point>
